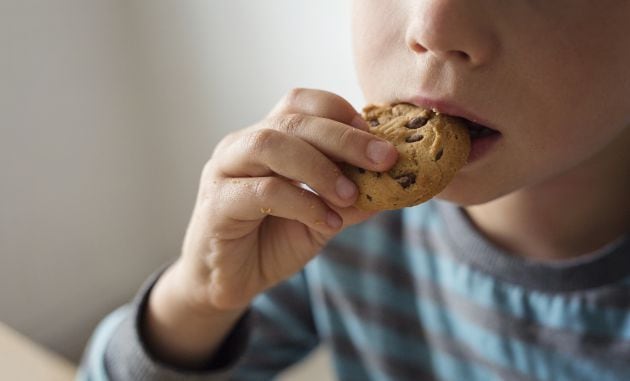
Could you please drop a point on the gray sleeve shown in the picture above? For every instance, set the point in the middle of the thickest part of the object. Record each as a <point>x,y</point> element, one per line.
<point>276,332</point>
<point>116,351</point>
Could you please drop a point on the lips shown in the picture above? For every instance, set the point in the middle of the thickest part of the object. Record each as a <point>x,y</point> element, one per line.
<point>483,134</point>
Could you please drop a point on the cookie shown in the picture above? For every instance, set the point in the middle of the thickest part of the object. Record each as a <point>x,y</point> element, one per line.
<point>432,147</point>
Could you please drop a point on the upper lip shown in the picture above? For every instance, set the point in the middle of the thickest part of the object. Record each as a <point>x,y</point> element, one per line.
<point>450,108</point>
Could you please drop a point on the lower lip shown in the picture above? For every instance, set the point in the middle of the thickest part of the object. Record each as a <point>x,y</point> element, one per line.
<point>481,146</point>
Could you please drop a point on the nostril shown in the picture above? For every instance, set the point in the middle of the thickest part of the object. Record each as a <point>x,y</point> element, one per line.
<point>461,55</point>
<point>417,48</point>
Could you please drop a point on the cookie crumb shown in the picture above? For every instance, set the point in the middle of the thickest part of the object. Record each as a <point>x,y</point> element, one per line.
<point>265,210</point>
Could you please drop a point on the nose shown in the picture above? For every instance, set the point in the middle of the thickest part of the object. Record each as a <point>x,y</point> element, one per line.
<point>451,30</point>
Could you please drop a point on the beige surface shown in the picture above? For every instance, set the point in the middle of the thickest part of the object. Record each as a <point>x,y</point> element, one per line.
<point>22,359</point>
<point>317,367</point>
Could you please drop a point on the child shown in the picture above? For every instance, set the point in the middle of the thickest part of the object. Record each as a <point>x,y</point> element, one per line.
<point>521,269</point>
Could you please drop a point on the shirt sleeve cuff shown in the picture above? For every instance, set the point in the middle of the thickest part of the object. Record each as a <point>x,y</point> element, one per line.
<point>128,358</point>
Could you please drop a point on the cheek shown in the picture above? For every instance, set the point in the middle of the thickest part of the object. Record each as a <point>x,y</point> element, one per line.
<point>543,145</point>
<point>378,40</point>
<point>570,144</point>
<point>571,112</point>
<point>564,103</point>
<point>572,81</point>
<point>536,156</point>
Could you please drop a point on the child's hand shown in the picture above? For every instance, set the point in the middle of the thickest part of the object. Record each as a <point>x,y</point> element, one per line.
<point>252,225</point>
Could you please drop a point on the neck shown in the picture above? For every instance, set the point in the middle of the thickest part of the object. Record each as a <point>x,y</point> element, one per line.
<point>572,215</point>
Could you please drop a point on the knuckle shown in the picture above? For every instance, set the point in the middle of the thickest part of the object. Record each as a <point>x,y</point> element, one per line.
<point>208,170</point>
<point>348,137</point>
<point>293,95</point>
<point>289,101</point>
<point>229,138</point>
<point>224,143</point>
<point>267,187</point>
<point>291,123</point>
<point>261,140</point>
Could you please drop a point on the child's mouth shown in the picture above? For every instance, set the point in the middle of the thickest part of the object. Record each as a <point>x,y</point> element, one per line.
<point>477,131</point>
<point>482,139</point>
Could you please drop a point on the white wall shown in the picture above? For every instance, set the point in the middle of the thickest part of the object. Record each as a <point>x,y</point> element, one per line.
<point>108,110</point>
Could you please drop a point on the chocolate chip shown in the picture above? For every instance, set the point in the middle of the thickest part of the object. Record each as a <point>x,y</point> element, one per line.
<point>438,156</point>
<point>406,180</point>
<point>417,122</point>
<point>377,174</point>
<point>414,138</point>
<point>368,197</point>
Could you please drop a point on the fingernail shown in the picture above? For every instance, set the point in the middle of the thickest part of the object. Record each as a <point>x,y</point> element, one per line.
<point>345,188</point>
<point>333,220</point>
<point>360,123</point>
<point>378,150</point>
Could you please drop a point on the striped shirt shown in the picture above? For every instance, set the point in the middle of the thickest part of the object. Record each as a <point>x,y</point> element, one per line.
<point>415,294</point>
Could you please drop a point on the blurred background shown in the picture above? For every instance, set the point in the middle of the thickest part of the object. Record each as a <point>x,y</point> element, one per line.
<point>108,111</point>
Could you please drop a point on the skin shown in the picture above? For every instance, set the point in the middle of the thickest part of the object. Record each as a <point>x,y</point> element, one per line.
<point>550,76</point>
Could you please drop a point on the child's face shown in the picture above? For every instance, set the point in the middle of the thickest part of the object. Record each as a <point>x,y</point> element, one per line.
<point>552,76</point>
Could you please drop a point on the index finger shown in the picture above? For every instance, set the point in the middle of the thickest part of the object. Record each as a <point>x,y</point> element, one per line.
<point>320,103</point>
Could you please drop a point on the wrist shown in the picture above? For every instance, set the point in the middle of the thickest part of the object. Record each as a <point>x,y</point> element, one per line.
<point>188,288</point>
<point>179,330</point>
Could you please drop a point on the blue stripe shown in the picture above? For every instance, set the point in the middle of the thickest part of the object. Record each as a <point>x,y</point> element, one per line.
<point>424,217</point>
<point>552,310</point>
<point>503,351</point>
<point>281,316</point>
<point>368,336</point>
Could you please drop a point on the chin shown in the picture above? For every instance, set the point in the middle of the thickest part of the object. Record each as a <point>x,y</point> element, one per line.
<point>465,194</point>
<point>461,200</point>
